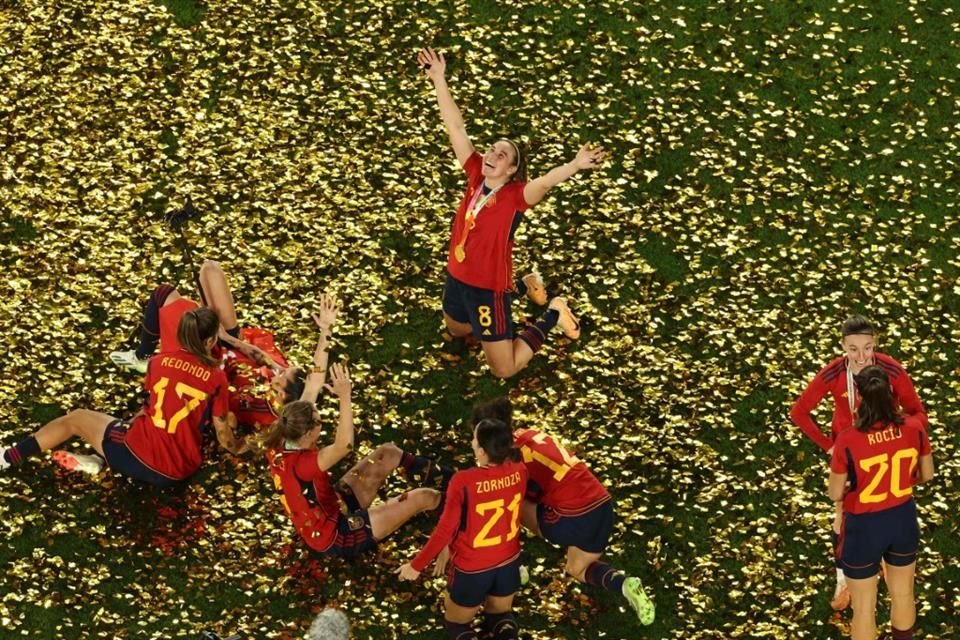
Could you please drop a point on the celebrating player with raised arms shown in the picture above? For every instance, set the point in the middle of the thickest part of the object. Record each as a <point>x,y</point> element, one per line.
<point>880,459</point>
<point>858,339</point>
<point>479,286</point>
<point>481,525</point>
<point>300,472</point>
<point>162,444</point>
<point>567,505</point>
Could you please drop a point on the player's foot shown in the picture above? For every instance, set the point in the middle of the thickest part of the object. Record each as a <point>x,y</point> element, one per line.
<point>536,291</point>
<point>3,459</point>
<point>129,360</point>
<point>568,322</point>
<point>78,462</point>
<point>841,598</point>
<point>637,597</point>
<point>524,575</point>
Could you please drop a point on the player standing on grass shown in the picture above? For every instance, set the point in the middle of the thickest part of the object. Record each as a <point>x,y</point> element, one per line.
<point>481,525</point>
<point>163,444</point>
<point>480,285</point>
<point>880,459</point>
<point>567,505</point>
<point>837,379</point>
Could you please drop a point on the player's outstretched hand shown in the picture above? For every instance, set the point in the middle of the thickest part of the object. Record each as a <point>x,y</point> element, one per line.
<point>432,62</point>
<point>326,316</point>
<point>589,157</point>
<point>339,381</point>
<point>407,572</point>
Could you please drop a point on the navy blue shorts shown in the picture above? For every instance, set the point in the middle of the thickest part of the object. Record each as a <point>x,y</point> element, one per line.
<point>488,312</point>
<point>589,531</point>
<point>354,536</point>
<point>468,589</point>
<point>865,538</point>
<point>122,460</point>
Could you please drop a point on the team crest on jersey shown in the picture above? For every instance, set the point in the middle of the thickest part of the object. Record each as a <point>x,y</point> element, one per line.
<point>355,522</point>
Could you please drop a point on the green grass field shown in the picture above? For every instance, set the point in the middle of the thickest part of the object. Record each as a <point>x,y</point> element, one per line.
<point>774,166</point>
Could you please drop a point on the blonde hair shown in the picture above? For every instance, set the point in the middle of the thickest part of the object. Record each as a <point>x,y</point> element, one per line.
<point>295,420</point>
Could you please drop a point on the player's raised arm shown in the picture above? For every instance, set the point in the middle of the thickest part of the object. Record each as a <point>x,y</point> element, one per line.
<point>588,157</point>
<point>325,318</point>
<point>435,67</point>
<point>343,441</point>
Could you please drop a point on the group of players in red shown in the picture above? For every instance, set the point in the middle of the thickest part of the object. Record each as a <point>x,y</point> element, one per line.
<point>210,372</point>
<point>879,449</point>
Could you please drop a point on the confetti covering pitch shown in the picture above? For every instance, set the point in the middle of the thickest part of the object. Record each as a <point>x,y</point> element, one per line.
<point>773,167</point>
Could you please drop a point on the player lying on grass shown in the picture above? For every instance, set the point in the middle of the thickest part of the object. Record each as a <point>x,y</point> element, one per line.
<point>300,470</point>
<point>250,356</point>
<point>873,469</point>
<point>480,285</point>
<point>858,340</point>
<point>162,444</point>
<point>480,524</point>
<point>567,505</point>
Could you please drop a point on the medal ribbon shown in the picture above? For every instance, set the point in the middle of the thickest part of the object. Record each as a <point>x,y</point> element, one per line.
<point>470,219</point>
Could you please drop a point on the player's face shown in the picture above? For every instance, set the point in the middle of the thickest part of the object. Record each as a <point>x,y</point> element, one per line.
<point>279,382</point>
<point>499,162</point>
<point>859,350</point>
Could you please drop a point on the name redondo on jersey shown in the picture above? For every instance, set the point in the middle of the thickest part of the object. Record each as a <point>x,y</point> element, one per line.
<point>486,486</point>
<point>887,435</point>
<point>187,367</point>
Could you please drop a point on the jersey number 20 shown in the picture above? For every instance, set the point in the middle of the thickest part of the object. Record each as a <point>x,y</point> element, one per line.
<point>885,462</point>
<point>192,398</point>
<point>484,539</point>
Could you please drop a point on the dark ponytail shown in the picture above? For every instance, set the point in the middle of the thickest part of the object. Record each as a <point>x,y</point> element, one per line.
<point>496,439</point>
<point>295,385</point>
<point>196,327</point>
<point>498,408</point>
<point>876,400</point>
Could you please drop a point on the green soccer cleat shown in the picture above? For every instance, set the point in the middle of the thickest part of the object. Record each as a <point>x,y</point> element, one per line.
<point>635,595</point>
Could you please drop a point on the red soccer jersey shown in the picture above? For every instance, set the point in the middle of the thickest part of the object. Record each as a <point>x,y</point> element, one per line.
<point>249,399</point>
<point>566,483</point>
<point>488,261</point>
<point>480,520</point>
<point>307,495</point>
<point>832,379</point>
<point>170,315</point>
<point>184,395</point>
<point>881,464</point>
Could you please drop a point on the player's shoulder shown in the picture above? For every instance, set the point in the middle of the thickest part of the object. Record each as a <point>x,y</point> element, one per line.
<point>834,369</point>
<point>893,368</point>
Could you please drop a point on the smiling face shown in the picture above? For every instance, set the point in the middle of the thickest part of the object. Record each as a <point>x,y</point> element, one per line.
<point>499,163</point>
<point>859,349</point>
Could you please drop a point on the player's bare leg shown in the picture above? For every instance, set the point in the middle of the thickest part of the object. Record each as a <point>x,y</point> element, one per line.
<point>863,599</point>
<point>87,425</point>
<point>388,517</point>
<point>903,608</point>
<point>507,357</point>
<point>586,567</point>
<point>457,329</point>
<point>498,620</point>
<point>367,476</point>
<point>841,594</point>
<point>217,294</point>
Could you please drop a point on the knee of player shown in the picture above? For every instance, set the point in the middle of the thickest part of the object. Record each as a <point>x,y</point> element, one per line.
<point>210,265</point>
<point>388,450</point>
<point>575,569</point>
<point>427,499</point>
<point>501,371</point>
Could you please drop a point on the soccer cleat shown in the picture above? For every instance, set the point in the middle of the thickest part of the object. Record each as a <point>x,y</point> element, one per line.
<point>524,575</point>
<point>568,322</point>
<point>635,595</point>
<point>841,598</point>
<point>78,462</point>
<point>129,360</point>
<point>536,291</point>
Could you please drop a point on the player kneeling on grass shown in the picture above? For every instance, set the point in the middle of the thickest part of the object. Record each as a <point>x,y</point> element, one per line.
<point>481,525</point>
<point>300,473</point>
<point>567,505</point>
<point>162,445</point>
<point>880,460</point>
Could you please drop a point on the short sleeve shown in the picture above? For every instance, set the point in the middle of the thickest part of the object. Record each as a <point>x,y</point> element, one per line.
<point>517,201</point>
<point>473,167</point>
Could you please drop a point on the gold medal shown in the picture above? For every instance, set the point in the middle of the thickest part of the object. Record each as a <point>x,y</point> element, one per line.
<point>459,253</point>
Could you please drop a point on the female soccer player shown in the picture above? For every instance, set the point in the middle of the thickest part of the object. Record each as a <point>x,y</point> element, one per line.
<point>567,505</point>
<point>859,343</point>
<point>477,293</point>
<point>162,444</point>
<point>300,474</point>
<point>881,459</point>
<point>481,525</point>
